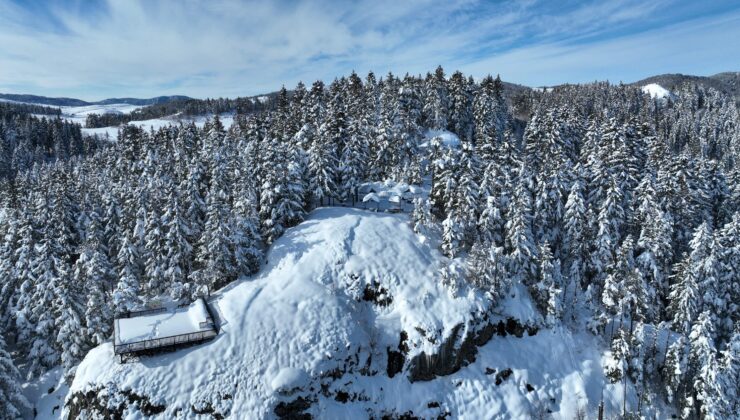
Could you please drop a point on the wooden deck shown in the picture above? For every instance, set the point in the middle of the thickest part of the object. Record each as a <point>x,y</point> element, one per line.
<point>193,334</point>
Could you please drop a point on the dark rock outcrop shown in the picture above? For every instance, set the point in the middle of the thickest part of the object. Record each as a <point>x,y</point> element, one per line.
<point>95,402</point>
<point>458,351</point>
<point>397,358</point>
<point>294,410</point>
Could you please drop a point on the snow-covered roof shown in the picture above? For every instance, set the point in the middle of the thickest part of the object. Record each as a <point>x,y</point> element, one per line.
<point>371,197</point>
<point>167,322</point>
<point>442,137</point>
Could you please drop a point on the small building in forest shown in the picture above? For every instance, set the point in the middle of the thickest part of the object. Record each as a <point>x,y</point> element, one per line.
<point>153,330</point>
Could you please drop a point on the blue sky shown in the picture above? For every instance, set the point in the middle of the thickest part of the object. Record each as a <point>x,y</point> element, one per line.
<point>143,48</point>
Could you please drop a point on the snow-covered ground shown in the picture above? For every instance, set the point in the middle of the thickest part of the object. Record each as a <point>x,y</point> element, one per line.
<point>46,394</point>
<point>338,294</point>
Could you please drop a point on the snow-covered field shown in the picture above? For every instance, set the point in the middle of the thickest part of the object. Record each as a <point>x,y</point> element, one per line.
<point>78,114</point>
<point>340,292</point>
<point>155,124</point>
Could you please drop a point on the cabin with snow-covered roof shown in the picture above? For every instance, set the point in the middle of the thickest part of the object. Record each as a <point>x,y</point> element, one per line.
<point>152,330</point>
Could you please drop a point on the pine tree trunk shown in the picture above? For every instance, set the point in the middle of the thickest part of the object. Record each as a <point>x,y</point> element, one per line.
<point>624,393</point>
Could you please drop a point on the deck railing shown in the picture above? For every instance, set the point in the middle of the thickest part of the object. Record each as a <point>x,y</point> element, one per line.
<point>156,343</point>
<point>130,314</point>
<point>173,340</point>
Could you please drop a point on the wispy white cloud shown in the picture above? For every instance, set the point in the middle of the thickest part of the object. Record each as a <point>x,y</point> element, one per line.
<point>230,48</point>
<point>703,46</point>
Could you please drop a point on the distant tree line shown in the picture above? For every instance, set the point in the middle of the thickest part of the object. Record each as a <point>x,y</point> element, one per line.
<point>13,108</point>
<point>27,140</point>
<point>184,108</point>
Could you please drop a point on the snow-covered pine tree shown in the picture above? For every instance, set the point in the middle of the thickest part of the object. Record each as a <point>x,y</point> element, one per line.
<point>422,215</point>
<point>728,255</point>
<point>520,244</point>
<point>705,399</point>
<point>466,194</point>
<point>12,400</point>
<point>10,281</point>
<point>445,183</point>
<point>177,249</point>
<point>354,158</point>
<point>407,133</point>
<point>94,271</point>
<point>453,234</point>
<point>155,263</point>
<point>70,337</point>
<point>729,378</point>
<point>436,100</point>
<point>126,295</point>
<point>316,112</point>
<point>575,245</point>
<point>491,223</point>
<point>484,119</point>
<point>486,269</point>
<point>547,290</point>
<point>248,253</point>
<point>549,208</point>
<point>703,267</point>
<point>214,264</point>
<point>610,220</point>
<point>460,120</point>
<point>323,167</point>
<point>298,109</point>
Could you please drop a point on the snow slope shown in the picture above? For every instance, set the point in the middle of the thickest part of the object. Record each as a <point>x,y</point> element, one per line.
<point>316,330</point>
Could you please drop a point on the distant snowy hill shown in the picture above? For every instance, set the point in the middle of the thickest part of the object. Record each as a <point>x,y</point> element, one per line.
<point>350,319</point>
<point>656,91</point>
<point>727,82</point>
<point>72,102</point>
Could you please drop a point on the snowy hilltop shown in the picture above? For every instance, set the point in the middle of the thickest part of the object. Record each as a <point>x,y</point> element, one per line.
<point>402,247</point>
<point>337,325</point>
